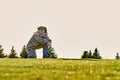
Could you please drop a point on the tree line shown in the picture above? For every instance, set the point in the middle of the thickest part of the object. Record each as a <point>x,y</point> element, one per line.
<point>90,54</point>
<point>95,55</point>
<point>23,53</point>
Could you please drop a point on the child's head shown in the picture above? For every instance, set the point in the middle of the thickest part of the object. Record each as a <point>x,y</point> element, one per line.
<point>45,29</point>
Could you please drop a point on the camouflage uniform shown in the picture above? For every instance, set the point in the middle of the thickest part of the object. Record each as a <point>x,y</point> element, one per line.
<point>37,42</point>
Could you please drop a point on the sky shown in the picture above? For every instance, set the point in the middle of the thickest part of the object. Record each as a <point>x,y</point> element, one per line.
<point>73,25</point>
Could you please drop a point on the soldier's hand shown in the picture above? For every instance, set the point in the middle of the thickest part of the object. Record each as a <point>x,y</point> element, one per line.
<point>49,44</point>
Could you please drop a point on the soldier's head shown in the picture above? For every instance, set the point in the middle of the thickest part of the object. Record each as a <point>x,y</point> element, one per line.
<point>41,30</point>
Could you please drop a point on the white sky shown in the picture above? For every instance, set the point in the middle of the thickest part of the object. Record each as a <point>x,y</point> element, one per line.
<point>73,25</point>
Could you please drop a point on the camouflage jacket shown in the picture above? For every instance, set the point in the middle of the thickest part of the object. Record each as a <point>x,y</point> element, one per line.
<point>37,42</point>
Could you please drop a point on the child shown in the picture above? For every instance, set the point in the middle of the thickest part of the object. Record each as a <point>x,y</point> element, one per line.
<point>51,50</point>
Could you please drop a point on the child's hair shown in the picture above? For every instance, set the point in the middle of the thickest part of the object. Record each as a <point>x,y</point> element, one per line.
<point>45,29</point>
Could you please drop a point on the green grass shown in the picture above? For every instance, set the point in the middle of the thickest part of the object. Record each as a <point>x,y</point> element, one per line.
<point>59,69</point>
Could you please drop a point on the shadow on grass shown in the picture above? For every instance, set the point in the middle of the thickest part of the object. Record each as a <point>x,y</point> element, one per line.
<point>69,59</point>
<point>85,59</point>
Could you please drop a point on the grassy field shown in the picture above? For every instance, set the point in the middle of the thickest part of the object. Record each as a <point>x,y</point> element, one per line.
<point>59,69</point>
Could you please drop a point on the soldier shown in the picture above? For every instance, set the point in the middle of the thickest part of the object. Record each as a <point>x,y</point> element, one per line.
<point>39,40</point>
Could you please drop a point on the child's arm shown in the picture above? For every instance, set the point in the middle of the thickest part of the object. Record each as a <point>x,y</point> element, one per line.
<point>45,35</point>
<point>48,39</point>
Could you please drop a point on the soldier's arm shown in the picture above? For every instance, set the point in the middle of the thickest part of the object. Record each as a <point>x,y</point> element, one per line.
<point>39,38</point>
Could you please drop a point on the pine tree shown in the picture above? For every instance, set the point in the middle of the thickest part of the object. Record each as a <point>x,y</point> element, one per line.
<point>2,55</point>
<point>52,52</point>
<point>85,54</point>
<point>13,53</point>
<point>90,54</point>
<point>23,53</point>
<point>117,56</point>
<point>96,54</point>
